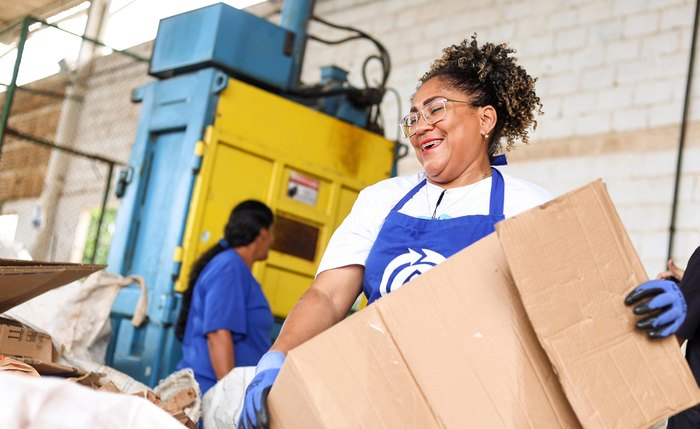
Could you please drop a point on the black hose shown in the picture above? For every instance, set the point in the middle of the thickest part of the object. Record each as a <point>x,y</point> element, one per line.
<point>334,42</point>
<point>384,54</point>
<point>681,140</point>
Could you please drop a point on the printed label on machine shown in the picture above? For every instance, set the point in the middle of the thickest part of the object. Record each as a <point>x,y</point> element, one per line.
<point>302,188</point>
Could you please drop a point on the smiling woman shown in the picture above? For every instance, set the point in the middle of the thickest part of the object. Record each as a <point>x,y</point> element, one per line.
<point>471,103</point>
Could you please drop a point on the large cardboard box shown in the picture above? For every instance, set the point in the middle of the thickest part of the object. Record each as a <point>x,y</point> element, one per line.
<point>524,329</point>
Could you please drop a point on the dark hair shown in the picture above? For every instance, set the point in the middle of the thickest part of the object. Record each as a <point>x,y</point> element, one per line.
<point>243,227</point>
<point>491,77</point>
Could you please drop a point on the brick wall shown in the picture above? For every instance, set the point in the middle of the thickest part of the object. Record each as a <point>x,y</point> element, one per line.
<point>611,76</point>
<point>23,165</point>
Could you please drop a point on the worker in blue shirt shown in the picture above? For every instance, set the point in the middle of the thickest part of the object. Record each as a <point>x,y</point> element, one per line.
<point>225,319</point>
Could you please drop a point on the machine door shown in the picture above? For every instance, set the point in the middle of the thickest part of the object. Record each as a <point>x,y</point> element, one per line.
<point>308,167</point>
<point>152,217</point>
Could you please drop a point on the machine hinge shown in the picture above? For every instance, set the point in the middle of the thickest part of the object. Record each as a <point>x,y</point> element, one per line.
<point>167,309</point>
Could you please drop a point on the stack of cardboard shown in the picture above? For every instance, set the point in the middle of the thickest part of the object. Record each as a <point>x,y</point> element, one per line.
<point>27,351</point>
<point>24,280</point>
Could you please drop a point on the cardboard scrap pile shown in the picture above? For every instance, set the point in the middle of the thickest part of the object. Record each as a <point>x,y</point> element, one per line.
<point>525,328</point>
<point>26,351</point>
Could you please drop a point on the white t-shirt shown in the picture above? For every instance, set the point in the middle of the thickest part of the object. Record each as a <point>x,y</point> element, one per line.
<point>352,241</point>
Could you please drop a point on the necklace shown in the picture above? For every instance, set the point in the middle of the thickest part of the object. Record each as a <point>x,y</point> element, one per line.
<point>442,194</point>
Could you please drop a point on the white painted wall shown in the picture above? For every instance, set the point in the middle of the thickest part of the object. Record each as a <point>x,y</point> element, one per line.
<point>605,68</point>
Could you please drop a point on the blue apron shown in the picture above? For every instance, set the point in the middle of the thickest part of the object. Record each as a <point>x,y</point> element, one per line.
<point>407,246</point>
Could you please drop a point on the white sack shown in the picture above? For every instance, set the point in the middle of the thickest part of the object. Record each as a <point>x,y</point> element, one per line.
<point>52,403</point>
<point>222,404</point>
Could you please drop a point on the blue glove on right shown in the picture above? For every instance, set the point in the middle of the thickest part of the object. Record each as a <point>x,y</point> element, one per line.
<point>666,310</point>
<point>255,414</point>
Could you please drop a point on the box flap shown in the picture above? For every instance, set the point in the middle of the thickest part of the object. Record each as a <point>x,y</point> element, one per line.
<point>466,338</point>
<point>573,264</point>
<point>53,368</point>
<point>355,359</point>
<point>25,263</point>
<point>23,280</point>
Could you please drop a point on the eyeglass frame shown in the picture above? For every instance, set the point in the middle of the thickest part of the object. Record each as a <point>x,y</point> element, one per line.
<point>405,129</point>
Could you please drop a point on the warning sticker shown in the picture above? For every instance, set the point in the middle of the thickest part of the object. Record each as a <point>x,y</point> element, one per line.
<point>302,188</point>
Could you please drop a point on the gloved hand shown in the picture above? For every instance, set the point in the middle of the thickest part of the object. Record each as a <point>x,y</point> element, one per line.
<point>665,310</point>
<point>255,414</point>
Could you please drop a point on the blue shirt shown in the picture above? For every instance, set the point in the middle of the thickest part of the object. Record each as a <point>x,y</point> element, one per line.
<point>226,296</point>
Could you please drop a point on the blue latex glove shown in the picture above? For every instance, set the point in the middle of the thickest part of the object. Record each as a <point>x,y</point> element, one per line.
<point>255,414</point>
<point>664,305</point>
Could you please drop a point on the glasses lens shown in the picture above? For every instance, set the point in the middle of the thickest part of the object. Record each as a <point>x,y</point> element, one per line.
<point>435,111</point>
<point>408,122</point>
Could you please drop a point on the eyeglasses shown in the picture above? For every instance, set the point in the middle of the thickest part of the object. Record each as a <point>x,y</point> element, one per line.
<point>433,112</point>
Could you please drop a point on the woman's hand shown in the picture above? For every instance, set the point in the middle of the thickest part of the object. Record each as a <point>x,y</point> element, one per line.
<point>673,272</point>
<point>255,413</point>
<point>327,301</point>
<point>662,304</point>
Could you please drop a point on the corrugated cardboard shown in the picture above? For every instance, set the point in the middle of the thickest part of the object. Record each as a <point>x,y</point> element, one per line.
<point>456,347</point>
<point>53,368</point>
<point>613,377</point>
<point>17,340</point>
<point>23,280</point>
<point>14,365</point>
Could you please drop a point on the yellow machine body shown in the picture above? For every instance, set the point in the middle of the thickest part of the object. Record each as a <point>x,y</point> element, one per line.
<point>307,166</point>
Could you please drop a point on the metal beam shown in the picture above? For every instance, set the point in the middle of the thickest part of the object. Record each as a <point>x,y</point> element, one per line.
<point>10,94</point>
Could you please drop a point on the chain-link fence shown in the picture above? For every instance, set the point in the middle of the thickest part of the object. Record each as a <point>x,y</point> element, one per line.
<point>66,131</point>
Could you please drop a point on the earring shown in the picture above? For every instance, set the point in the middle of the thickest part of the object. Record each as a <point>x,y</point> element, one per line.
<point>486,135</point>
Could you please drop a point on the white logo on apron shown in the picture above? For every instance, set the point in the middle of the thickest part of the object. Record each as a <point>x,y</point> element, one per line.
<point>408,265</point>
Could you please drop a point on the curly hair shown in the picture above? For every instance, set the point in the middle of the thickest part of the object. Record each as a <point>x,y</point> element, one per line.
<point>491,77</point>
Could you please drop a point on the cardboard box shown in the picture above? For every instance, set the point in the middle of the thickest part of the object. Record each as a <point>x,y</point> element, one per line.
<point>525,328</point>
<point>18,340</point>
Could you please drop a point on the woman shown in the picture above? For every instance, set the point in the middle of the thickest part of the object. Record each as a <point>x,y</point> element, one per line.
<point>225,319</point>
<point>471,102</point>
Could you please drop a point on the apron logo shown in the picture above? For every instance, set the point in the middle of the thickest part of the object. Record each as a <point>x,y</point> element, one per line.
<point>404,267</point>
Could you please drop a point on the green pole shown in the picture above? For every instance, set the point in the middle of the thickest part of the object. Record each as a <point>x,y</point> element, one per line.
<point>10,94</point>
<point>102,213</point>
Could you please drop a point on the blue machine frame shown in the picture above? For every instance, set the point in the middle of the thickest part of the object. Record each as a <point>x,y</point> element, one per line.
<point>222,36</point>
<point>152,215</point>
